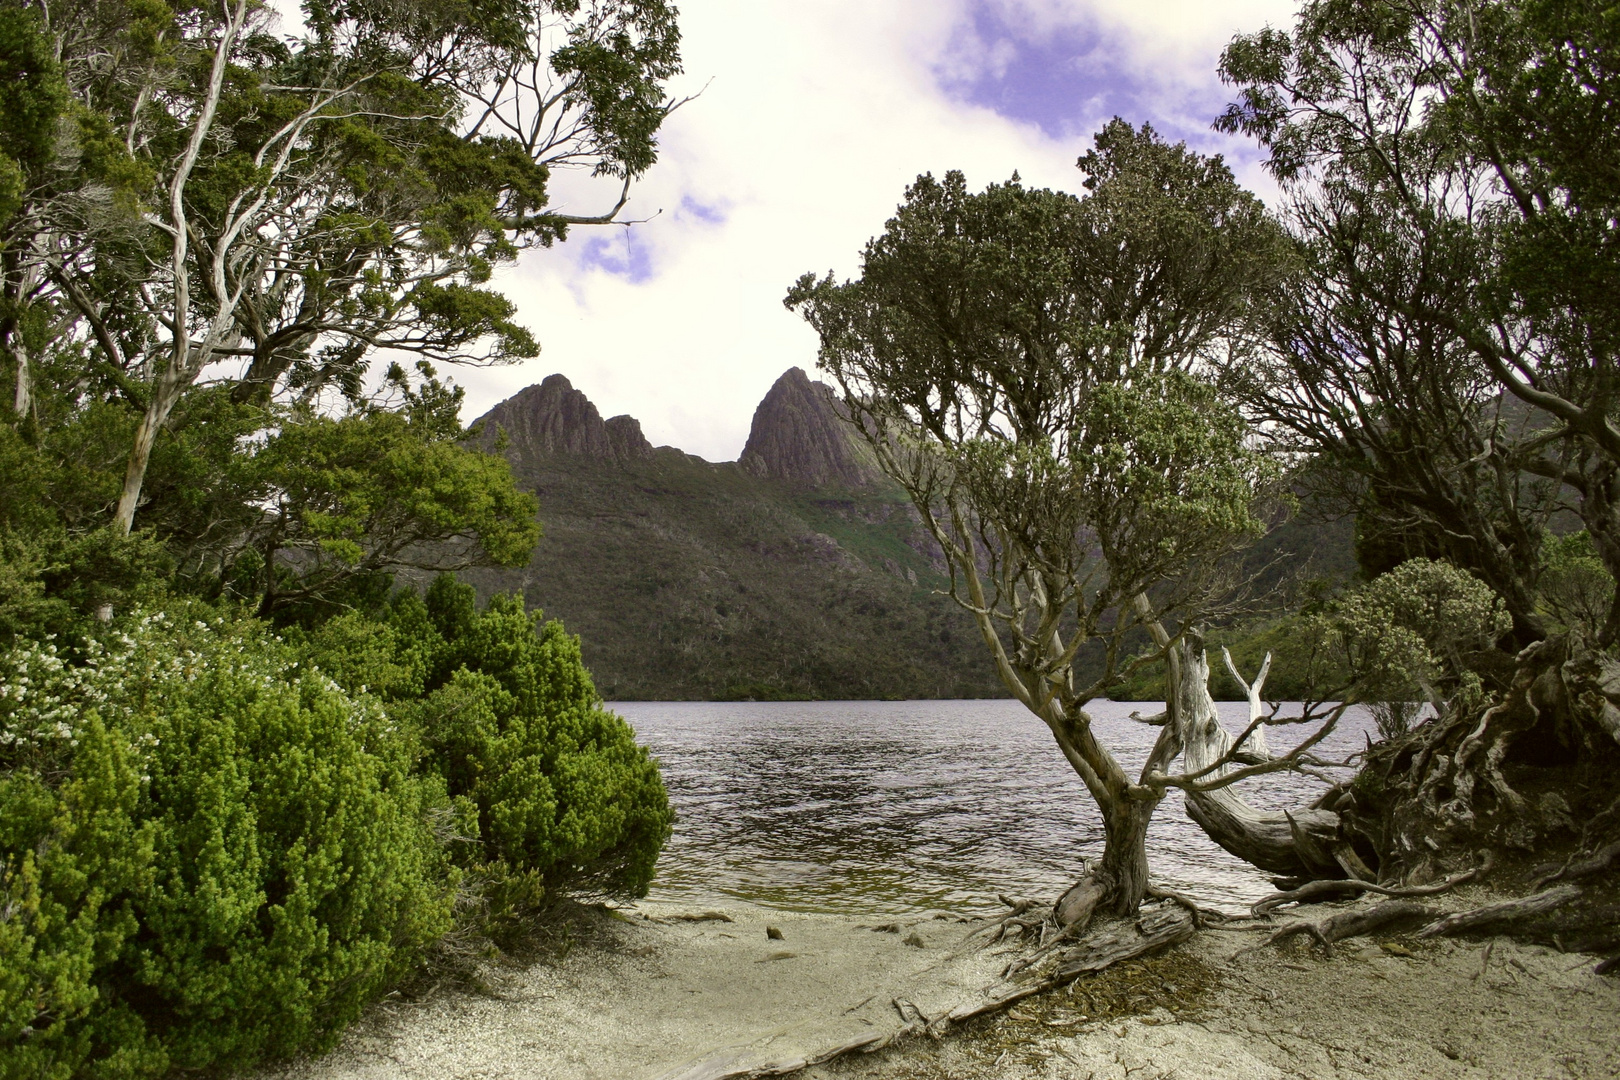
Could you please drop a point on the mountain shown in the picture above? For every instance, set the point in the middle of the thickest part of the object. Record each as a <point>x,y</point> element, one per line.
<point>554,418</point>
<point>796,571</point>
<point>800,436</point>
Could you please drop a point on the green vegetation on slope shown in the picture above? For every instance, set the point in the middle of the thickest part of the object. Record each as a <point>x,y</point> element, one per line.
<point>689,580</point>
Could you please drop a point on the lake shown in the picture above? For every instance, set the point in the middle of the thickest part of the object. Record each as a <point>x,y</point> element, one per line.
<point>909,806</point>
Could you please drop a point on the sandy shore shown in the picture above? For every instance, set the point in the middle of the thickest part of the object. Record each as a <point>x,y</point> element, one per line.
<point>658,992</point>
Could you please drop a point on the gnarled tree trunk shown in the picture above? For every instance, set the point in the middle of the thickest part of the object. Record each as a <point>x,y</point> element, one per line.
<point>1430,799</point>
<point>1298,843</point>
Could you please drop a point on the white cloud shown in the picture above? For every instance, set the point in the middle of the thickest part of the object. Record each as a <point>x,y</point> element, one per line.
<point>813,120</point>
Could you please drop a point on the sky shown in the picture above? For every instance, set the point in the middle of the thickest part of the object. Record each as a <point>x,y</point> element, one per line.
<point>810,120</point>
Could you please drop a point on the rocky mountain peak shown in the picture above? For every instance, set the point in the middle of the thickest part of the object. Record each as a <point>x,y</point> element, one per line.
<point>554,418</point>
<point>799,434</point>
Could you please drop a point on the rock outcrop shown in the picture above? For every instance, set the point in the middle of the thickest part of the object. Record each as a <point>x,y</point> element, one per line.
<point>800,435</point>
<point>554,418</point>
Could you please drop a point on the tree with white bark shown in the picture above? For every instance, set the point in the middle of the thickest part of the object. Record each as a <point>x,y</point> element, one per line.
<point>214,202</point>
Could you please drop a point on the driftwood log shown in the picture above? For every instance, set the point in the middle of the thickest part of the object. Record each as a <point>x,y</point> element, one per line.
<point>1155,928</point>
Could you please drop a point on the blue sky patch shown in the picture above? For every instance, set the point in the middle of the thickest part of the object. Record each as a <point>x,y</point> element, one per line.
<point>618,254</point>
<point>1070,79</point>
<point>709,215</point>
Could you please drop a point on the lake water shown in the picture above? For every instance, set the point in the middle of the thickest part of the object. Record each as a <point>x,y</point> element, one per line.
<point>872,807</point>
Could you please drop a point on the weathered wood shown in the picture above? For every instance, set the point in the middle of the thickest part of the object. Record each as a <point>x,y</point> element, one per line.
<point>1594,679</point>
<point>1076,906</point>
<point>1356,923</point>
<point>1498,915</point>
<point>1318,891</point>
<point>1153,930</point>
<point>1255,747</point>
<point>1600,860</point>
<point>1295,843</point>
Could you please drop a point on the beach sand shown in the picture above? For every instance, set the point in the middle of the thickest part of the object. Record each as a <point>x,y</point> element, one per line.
<point>655,992</point>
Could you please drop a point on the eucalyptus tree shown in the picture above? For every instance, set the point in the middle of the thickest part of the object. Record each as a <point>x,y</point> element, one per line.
<point>1031,366</point>
<point>274,211</point>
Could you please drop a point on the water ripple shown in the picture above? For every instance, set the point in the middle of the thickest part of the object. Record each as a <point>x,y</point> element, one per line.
<point>869,807</point>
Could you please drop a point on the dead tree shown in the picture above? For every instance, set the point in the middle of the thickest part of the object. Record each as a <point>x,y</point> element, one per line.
<point>1305,843</point>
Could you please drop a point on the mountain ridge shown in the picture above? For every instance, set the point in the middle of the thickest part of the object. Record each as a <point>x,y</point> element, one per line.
<point>796,571</point>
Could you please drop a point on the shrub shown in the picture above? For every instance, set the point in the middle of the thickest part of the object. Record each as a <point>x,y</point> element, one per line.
<point>550,784</point>
<point>220,855</point>
<point>1575,588</point>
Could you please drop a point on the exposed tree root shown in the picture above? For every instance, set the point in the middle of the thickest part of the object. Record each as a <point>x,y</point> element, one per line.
<point>1168,925</point>
<point>1026,915</point>
<point>1202,916</point>
<point>1355,923</point>
<point>1493,916</point>
<point>1077,905</point>
<point>1318,891</point>
<point>1456,784</point>
<point>1599,861</point>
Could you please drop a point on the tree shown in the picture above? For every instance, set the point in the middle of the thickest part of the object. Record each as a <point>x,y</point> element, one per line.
<point>276,211</point>
<point>322,513</point>
<point>1451,167</point>
<point>1031,367</point>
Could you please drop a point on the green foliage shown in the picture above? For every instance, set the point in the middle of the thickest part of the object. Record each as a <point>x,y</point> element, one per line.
<point>551,784</point>
<point>221,855</point>
<point>368,493</point>
<point>75,854</point>
<point>1030,366</point>
<point>54,583</point>
<point>32,96</point>
<point>1452,171</point>
<point>1410,635</point>
<point>1575,587</point>
<point>296,512</point>
<point>1167,469</point>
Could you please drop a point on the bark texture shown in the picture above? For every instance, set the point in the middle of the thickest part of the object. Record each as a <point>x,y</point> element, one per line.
<point>1534,767</point>
<point>1295,844</point>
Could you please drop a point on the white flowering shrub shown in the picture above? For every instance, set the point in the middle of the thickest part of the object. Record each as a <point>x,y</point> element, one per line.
<point>210,852</point>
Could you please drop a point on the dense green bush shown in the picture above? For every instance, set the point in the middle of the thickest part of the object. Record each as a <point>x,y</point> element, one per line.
<point>211,855</point>
<point>217,846</point>
<point>549,783</point>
